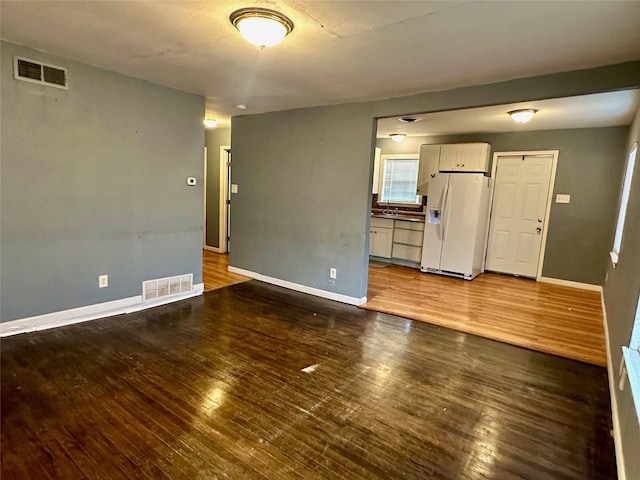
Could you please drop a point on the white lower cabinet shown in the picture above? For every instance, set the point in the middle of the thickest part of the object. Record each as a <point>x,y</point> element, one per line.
<point>398,240</point>
<point>381,237</point>
<point>407,241</point>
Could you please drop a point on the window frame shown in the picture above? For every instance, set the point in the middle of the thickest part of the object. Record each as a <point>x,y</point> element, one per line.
<point>631,356</point>
<point>622,208</point>
<point>381,180</point>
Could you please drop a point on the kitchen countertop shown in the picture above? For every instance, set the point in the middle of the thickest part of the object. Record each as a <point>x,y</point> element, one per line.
<point>405,217</point>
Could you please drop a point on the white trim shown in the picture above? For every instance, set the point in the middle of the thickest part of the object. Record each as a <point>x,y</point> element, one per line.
<point>204,201</point>
<point>212,249</point>
<point>569,283</point>
<point>617,437</point>
<point>338,297</point>
<point>90,312</point>
<point>224,195</point>
<point>552,181</point>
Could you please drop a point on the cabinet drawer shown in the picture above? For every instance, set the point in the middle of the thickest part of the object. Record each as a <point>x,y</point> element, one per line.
<point>419,226</point>
<point>407,252</point>
<point>381,222</point>
<point>410,237</point>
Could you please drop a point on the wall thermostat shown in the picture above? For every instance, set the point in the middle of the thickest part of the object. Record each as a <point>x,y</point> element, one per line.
<point>191,181</point>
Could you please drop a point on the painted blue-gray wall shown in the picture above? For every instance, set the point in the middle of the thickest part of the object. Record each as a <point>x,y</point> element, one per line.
<point>621,293</point>
<point>304,175</point>
<point>94,182</point>
<point>214,139</point>
<point>590,163</point>
<point>303,192</point>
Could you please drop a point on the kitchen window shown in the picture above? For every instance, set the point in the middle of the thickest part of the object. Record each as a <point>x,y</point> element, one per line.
<point>622,212</point>
<point>399,180</point>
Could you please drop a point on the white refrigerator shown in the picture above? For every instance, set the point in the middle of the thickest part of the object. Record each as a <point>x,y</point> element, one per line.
<point>455,232</point>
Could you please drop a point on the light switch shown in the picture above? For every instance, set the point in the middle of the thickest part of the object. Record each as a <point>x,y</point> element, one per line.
<point>563,198</point>
<point>234,188</point>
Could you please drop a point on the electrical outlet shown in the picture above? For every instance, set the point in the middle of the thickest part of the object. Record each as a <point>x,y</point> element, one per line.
<point>333,273</point>
<point>103,281</point>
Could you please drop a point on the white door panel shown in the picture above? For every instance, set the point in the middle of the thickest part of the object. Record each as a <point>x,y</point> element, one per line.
<point>519,208</point>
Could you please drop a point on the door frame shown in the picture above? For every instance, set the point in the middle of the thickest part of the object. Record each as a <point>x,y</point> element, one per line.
<point>554,165</point>
<point>224,196</point>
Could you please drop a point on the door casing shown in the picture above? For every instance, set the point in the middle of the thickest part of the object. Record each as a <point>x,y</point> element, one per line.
<point>552,181</point>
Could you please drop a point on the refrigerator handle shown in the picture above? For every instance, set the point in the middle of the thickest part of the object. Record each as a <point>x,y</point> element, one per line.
<point>445,211</point>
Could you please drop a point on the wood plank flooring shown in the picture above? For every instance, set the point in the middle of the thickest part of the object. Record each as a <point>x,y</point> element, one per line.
<point>548,318</point>
<point>215,273</point>
<point>212,387</point>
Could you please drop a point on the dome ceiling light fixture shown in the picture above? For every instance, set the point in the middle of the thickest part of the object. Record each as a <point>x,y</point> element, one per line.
<point>522,115</point>
<point>397,137</point>
<point>409,119</point>
<point>260,26</point>
<point>210,123</point>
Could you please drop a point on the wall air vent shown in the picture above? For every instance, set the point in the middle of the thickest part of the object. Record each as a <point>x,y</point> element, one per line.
<point>38,72</point>
<point>163,287</point>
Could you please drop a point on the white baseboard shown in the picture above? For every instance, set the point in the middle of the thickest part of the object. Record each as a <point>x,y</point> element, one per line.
<point>615,419</point>
<point>338,297</point>
<point>212,249</point>
<point>90,312</point>
<point>569,283</point>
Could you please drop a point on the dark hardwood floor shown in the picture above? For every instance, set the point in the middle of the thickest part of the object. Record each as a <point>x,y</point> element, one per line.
<point>212,387</point>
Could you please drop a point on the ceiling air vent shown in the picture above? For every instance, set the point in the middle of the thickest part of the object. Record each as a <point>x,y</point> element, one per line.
<point>409,119</point>
<point>38,72</point>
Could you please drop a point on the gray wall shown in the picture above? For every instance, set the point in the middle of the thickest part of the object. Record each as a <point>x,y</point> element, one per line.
<point>621,292</point>
<point>214,139</point>
<point>94,182</point>
<point>304,183</point>
<point>590,163</point>
<point>304,175</point>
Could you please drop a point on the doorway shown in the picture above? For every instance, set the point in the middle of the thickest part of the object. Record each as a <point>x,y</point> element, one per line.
<point>521,203</point>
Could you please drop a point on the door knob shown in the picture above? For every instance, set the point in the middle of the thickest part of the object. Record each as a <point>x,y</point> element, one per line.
<point>539,230</point>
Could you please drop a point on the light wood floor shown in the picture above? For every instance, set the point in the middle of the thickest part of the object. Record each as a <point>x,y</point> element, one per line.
<point>548,318</point>
<point>215,273</point>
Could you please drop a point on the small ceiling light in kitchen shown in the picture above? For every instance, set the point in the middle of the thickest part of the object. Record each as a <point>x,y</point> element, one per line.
<point>397,137</point>
<point>261,26</point>
<point>522,115</point>
<point>210,123</point>
<point>241,106</point>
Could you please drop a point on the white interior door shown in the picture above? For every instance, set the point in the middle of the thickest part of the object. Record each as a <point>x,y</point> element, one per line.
<point>518,215</point>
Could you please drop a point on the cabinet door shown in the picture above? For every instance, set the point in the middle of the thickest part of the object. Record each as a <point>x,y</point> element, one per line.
<point>376,171</point>
<point>450,157</point>
<point>381,241</point>
<point>475,157</point>
<point>372,239</point>
<point>429,164</point>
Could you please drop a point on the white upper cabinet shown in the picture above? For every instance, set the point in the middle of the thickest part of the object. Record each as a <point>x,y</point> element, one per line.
<point>376,171</point>
<point>465,157</point>
<point>429,162</point>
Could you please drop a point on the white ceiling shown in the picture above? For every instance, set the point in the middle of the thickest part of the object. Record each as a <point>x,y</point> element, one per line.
<point>598,110</point>
<point>339,51</point>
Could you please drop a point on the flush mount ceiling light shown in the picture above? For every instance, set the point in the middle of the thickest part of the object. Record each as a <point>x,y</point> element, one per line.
<point>261,26</point>
<point>210,123</point>
<point>522,115</point>
<point>409,119</point>
<point>397,137</point>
